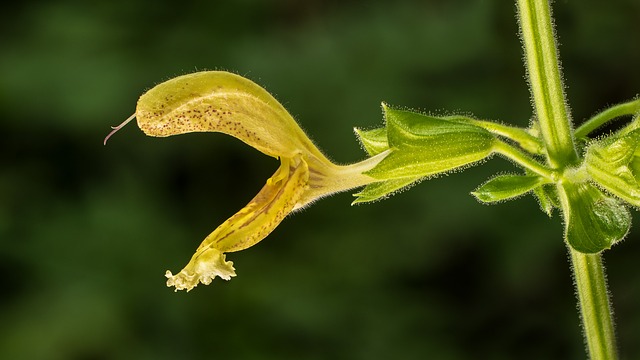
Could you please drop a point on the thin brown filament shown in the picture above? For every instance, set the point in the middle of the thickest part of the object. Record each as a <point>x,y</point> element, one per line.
<point>116,128</point>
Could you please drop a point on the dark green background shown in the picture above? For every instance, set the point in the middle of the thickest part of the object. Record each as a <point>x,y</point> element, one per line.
<point>87,231</point>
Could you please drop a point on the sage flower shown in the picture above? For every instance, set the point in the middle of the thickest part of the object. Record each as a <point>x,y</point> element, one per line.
<point>215,101</point>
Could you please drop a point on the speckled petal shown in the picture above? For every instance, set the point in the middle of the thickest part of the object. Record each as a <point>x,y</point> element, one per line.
<point>247,227</point>
<point>218,101</point>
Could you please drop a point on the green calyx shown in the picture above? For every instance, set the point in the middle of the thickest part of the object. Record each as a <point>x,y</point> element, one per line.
<point>421,146</point>
<point>425,145</point>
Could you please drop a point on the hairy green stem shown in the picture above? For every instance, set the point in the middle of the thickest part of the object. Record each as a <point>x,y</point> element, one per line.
<point>628,108</point>
<point>545,81</point>
<point>525,160</point>
<point>547,91</point>
<point>595,309</point>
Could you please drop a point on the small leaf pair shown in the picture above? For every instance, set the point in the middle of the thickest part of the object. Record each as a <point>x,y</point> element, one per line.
<point>594,221</point>
<point>597,220</point>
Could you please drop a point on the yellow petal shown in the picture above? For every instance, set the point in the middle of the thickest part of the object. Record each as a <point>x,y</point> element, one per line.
<point>247,227</point>
<point>203,268</point>
<point>219,101</point>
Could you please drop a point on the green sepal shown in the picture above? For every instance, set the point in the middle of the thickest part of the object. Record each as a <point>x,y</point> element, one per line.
<point>412,129</point>
<point>547,198</point>
<point>594,221</point>
<point>613,164</point>
<point>382,189</point>
<point>506,187</point>
<point>424,145</point>
<point>373,141</point>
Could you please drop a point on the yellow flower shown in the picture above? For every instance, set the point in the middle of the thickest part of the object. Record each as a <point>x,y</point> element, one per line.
<point>223,102</point>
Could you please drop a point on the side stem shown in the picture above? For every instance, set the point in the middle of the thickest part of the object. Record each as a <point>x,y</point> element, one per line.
<point>523,159</point>
<point>628,108</point>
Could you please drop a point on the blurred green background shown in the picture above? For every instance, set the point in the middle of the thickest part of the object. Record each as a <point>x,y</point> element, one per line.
<point>87,231</point>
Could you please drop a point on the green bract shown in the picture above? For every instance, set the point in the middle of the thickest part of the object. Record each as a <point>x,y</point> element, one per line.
<point>505,187</point>
<point>547,198</point>
<point>594,221</point>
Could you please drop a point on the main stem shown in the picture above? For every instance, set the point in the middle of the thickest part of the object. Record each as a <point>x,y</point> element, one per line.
<point>595,309</point>
<point>545,82</point>
<point>552,114</point>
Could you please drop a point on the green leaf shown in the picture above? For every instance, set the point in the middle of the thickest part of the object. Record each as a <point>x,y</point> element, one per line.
<point>374,141</point>
<point>379,190</point>
<point>425,145</point>
<point>594,221</point>
<point>612,163</point>
<point>506,187</point>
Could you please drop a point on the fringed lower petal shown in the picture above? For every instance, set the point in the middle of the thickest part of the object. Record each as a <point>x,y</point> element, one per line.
<point>203,268</point>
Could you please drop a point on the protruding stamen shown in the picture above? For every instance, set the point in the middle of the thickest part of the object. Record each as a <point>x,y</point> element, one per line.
<point>116,128</point>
